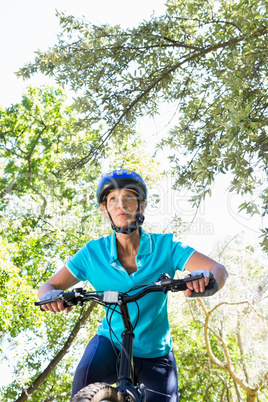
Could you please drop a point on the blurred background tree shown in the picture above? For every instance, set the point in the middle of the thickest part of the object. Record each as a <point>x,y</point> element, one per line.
<point>206,60</point>
<point>48,211</point>
<point>219,342</point>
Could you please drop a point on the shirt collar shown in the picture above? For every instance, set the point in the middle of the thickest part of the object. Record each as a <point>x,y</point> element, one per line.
<point>144,249</point>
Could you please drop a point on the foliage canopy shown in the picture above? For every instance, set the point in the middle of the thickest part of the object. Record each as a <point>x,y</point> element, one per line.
<point>208,59</point>
<point>47,212</point>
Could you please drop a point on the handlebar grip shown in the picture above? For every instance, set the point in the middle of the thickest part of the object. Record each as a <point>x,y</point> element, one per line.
<point>40,306</point>
<point>183,286</point>
<point>41,303</point>
<point>211,288</point>
<point>179,283</point>
<point>64,304</point>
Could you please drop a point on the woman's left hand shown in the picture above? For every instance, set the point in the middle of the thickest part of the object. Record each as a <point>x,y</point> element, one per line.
<point>198,288</point>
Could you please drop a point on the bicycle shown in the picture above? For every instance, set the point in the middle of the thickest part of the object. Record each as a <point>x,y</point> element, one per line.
<point>126,390</point>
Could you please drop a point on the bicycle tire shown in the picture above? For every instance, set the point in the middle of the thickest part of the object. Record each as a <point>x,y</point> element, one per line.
<point>98,392</point>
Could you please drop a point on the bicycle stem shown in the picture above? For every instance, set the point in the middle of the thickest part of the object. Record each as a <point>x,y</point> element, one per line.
<point>126,357</point>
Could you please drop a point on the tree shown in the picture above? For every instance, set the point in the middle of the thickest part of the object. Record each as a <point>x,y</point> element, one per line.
<point>11,284</point>
<point>207,59</point>
<point>219,341</point>
<point>38,226</point>
<point>48,211</point>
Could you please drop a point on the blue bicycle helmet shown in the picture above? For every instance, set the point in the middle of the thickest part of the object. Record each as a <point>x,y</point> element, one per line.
<point>128,179</point>
<point>121,178</point>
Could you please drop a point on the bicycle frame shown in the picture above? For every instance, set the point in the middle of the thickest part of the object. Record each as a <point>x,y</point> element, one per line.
<point>126,384</point>
<point>126,367</point>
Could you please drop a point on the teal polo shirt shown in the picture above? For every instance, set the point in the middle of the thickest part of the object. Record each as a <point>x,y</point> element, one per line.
<point>97,262</point>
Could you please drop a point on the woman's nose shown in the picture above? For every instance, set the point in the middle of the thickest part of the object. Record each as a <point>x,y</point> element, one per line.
<point>121,203</point>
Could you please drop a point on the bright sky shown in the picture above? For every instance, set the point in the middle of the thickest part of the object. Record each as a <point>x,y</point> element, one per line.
<point>28,25</point>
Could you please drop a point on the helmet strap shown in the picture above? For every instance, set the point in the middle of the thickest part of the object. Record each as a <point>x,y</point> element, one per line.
<point>130,228</point>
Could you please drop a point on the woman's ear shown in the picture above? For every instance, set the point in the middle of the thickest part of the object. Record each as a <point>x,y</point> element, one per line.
<point>104,210</point>
<point>142,206</point>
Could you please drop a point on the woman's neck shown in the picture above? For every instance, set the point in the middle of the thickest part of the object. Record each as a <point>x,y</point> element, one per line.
<point>128,244</point>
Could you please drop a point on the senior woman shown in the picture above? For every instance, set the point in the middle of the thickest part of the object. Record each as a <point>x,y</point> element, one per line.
<point>128,257</point>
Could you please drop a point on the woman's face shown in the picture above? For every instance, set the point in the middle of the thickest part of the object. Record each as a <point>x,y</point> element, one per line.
<point>122,205</point>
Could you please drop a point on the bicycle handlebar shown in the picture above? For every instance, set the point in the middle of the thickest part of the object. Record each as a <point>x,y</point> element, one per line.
<point>109,297</point>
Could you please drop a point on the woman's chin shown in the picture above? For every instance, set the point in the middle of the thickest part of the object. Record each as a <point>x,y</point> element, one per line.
<point>124,223</point>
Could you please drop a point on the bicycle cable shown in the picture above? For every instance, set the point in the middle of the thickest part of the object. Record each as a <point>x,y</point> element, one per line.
<point>138,287</point>
<point>112,333</point>
<point>157,392</point>
<point>116,351</point>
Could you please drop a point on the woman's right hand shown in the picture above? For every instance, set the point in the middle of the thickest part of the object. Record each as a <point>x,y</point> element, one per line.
<point>54,307</point>
<point>53,287</point>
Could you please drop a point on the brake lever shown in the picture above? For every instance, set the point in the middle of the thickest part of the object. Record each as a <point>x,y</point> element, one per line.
<point>170,282</point>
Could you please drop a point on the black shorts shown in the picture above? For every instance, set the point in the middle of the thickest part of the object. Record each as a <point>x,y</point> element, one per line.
<point>99,364</point>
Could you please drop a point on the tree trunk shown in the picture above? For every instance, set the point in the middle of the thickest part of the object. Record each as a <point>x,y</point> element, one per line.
<point>35,385</point>
<point>252,396</point>
<point>252,393</point>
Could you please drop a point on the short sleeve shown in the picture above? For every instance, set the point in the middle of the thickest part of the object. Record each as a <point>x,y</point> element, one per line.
<point>180,255</point>
<point>78,263</point>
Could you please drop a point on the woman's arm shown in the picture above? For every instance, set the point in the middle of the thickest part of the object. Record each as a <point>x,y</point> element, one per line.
<point>201,262</point>
<point>62,280</point>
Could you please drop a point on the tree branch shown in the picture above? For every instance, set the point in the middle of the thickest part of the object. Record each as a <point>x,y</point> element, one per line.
<point>251,392</point>
<point>38,381</point>
<point>166,72</point>
<point>240,345</point>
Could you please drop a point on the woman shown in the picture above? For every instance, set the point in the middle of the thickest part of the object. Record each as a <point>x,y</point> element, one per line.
<point>130,257</point>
